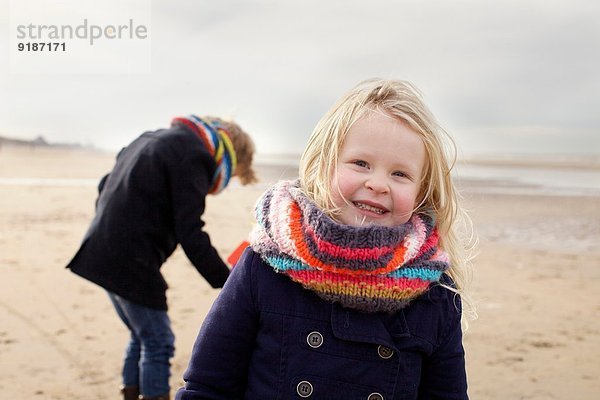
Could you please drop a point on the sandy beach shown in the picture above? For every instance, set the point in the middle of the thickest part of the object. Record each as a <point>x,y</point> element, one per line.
<point>537,335</point>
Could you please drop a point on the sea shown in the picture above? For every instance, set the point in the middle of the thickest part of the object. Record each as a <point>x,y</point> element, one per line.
<point>506,177</point>
<point>529,180</point>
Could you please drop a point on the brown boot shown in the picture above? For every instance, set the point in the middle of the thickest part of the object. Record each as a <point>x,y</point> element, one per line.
<point>130,392</point>
<point>161,397</point>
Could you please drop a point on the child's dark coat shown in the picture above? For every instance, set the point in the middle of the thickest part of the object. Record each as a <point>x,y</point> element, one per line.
<point>152,200</point>
<point>268,338</point>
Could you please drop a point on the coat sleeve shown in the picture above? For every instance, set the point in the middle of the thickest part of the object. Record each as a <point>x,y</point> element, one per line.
<point>189,187</point>
<point>443,374</point>
<point>103,180</point>
<point>101,188</point>
<point>218,367</point>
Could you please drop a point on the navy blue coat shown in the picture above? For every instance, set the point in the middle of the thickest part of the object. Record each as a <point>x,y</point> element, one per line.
<point>266,337</point>
<point>152,200</point>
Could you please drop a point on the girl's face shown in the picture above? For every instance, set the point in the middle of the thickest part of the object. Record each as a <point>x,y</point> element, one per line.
<point>379,172</point>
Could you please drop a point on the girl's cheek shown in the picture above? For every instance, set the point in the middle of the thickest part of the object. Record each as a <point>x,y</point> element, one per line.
<point>342,189</point>
<point>335,189</point>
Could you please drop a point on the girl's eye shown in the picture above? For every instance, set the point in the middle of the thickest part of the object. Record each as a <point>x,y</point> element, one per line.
<point>360,163</point>
<point>400,174</point>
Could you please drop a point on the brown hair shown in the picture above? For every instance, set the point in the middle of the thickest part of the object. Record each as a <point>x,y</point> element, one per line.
<point>244,150</point>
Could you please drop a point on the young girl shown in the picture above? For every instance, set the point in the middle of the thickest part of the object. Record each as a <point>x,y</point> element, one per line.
<point>351,288</point>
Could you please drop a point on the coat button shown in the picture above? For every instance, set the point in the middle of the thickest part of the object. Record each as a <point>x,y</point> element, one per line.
<point>304,389</point>
<point>384,352</point>
<point>375,396</point>
<point>314,339</point>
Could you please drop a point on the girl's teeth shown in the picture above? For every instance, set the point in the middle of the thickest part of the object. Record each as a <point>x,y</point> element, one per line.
<point>369,208</point>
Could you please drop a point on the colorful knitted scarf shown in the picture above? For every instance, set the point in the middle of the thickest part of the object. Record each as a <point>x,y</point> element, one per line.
<point>218,143</point>
<point>371,268</point>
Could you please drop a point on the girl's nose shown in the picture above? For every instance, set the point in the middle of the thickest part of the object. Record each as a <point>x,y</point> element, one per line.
<point>377,184</point>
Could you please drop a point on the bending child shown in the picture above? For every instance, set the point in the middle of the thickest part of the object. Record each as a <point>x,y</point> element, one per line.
<point>151,201</point>
<point>352,284</point>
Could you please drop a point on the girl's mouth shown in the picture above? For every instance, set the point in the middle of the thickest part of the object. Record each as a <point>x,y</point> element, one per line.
<point>370,208</point>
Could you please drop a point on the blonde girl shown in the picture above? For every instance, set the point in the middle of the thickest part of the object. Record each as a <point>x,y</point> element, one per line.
<point>351,287</point>
<point>402,101</point>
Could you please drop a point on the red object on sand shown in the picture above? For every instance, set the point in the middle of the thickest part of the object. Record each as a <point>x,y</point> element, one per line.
<point>236,254</point>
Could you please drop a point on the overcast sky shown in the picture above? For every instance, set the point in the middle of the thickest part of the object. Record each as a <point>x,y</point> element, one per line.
<point>501,76</point>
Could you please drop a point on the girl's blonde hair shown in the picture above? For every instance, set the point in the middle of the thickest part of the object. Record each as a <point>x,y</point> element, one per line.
<point>438,194</point>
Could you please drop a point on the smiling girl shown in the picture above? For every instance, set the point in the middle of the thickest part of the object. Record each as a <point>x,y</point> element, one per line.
<point>352,285</point>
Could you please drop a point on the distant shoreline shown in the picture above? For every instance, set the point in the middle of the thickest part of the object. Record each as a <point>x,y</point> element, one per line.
<point>40,142</point>
<point>536,161</point>
<point>574,161</point>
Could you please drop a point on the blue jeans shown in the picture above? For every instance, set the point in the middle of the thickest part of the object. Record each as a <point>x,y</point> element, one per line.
<point>150,347</point>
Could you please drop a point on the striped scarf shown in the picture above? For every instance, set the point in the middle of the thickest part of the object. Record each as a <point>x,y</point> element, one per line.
<point>371,268</point>
<point>218,143</point>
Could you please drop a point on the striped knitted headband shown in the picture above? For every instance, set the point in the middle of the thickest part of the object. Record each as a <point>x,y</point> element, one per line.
<point>371,268</point>
<point>217,141</point>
